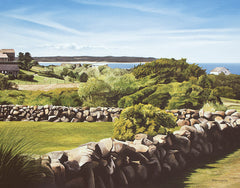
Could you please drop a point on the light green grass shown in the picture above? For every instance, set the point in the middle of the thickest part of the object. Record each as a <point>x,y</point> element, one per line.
<point>231,103</point>
<point>39,79</point>
<point>59,136</point>
<point>223,173</point>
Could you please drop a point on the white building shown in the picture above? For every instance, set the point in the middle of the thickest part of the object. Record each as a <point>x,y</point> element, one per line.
<point>219,70</point>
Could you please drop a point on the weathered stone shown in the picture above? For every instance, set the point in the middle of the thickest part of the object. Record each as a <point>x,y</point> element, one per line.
<point>79,115</point>
<point>220,113</point>
<point>236,114</point>
<point>86,113</point>
<point>230,112</point>
<point>46,107</point>
<point>194,121</point>
<point>46,111</point>
<point>59,172</point>
<point>85,108</point>
<point>89,119</point>
<point>15,113</point>
<point>64,119</point>
<point>218,119</point>
<point>223,126</point>
<point>52,118</point>
<point>181,123</point>
<point>207,115</point>
<point>74,120</point>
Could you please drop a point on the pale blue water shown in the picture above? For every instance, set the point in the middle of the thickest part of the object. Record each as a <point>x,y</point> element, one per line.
<point>233,67</point>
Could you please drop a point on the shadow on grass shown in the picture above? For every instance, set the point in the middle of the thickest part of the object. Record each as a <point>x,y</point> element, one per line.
<point>179,179</point>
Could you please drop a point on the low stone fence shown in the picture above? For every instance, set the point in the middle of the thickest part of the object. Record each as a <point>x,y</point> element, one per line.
<point>57,113</point>
<point>112,163</point>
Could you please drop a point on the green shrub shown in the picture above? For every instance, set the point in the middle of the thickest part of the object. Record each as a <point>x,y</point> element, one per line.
<point>17,167</point>
<point>137,97</point>
<point>142,119</point>
<point>25,77</point>
<point>5,84</point>
<point>83,77</point>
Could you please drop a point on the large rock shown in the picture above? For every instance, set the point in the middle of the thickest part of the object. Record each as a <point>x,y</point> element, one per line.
<point>89,119</point>
<point>181,122</point>
<point>52,118</point>
<point>236,114</point>
<point>230,112</point>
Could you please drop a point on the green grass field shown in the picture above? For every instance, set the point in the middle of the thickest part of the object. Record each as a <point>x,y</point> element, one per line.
<point>231,103</point>
<point>223,173</point>
<point>50,136</point>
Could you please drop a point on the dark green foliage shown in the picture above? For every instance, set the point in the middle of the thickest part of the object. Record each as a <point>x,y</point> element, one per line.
<point>25,77</point>
<point>25,61</point>
<point>168,70</point>
<point>71,74</point>
<point>159,99</point>
<point>136,98</point>
<point>83,77</point>
<point>222,84</point>
<point>49,72</point>
<point>4,83</point>
<point>17,167</point>
<point>142,119</point>
<point>64,72</point>
<point>205,82</point>
<point>69,98</point>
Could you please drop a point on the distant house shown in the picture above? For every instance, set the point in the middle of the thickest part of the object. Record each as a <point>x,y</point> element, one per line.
<point>219,70</point>
<point>9,52</point>
<point>7,63</point>
<point>9,68</point>
<point>3,57</point>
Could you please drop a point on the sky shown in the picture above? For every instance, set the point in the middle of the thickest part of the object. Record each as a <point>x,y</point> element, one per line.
<point>203,31</point>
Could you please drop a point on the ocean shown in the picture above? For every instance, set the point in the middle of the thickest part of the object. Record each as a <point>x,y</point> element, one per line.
<point>233,67</point>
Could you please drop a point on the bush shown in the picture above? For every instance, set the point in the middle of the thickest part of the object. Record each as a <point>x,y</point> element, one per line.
<point>136,98</point>
<point>83,77</point>
<point>5,84</point>
<point>142,119</point>
<point>17,167</point>
<point>25,77</point>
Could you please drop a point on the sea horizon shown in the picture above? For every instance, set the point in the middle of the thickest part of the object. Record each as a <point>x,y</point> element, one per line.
<point>234,68</point>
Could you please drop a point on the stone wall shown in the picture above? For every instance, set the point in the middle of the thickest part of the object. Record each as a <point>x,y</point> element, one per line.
<point>57,113</point>
<point>112,163</point>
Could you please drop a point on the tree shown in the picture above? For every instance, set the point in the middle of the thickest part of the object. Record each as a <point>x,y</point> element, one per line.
<point>83,77</point>
<point>25,61</point>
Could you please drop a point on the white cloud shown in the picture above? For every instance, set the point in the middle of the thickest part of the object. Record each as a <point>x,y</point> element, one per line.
<point>127,5</point>
<point>45,19</point>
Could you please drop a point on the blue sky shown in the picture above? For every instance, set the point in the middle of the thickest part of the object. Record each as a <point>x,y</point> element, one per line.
<point>199,30</point>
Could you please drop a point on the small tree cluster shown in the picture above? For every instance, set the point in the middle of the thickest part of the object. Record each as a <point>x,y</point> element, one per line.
<point>26,62</point>
<point>142,119</point>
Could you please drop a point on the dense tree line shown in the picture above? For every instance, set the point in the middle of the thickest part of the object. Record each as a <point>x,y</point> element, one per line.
<point>168,70</point>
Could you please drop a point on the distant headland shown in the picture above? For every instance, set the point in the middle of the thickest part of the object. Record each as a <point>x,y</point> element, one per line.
<point>121,59</point>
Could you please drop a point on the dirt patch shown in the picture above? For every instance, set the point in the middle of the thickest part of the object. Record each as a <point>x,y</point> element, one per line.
<point>48,87</point>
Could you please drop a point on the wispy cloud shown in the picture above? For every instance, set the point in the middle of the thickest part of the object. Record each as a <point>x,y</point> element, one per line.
<point>127,5</point>
<point>45,19</point>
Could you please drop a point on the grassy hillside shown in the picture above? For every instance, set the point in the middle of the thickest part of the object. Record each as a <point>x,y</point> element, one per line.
<point>60,97</point>
<point>38,79</point>
<point>58,136</point>
<point>222,173</point>
<point>231,103</point>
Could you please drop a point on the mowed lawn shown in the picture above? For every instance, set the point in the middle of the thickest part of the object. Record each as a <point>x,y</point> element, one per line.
<point>223,173</point>
<point>231,103</point>
<point>49,136</point>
